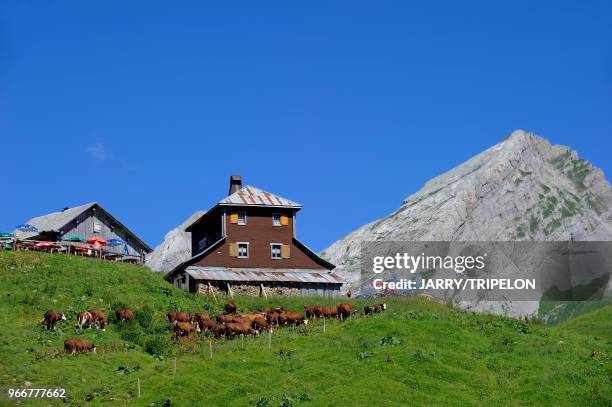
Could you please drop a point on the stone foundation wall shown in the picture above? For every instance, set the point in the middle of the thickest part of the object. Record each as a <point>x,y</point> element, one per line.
<point>253,290</point>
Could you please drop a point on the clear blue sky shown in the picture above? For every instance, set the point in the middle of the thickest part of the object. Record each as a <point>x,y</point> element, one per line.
<point>345,107</point>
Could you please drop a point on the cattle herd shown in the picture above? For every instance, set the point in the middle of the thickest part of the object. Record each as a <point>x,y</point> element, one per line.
<point>228,324</point>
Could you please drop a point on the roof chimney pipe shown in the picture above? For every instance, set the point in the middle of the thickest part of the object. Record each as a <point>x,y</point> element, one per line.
<point>235,184</point>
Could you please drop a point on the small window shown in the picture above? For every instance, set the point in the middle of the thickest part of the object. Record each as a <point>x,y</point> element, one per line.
<point>276,219</point>
<point>243,250</point>
<point>202,243</point>
<point>242,218</point>
<point>276,250</point>
<point>97,227</point>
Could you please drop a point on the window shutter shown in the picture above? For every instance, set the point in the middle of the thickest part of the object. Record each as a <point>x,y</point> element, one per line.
<point>233,249</point>
<point>285,251</point>
<point>233,218</point>
<point>284,220</point>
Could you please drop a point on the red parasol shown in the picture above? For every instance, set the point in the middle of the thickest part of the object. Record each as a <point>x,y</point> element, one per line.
<point>97,240</point>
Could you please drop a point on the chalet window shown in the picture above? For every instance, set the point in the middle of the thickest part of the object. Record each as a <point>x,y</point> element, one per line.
<point>276,219</point>
<point>243,250</point>
<point>97,227</point>
<point>242,218</point>
<point>276,250</point>
<point>202,243</point>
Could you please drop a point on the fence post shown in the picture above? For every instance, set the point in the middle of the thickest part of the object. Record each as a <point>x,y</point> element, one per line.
<point>210,348</point>
<point>242,341</point>
<point>139,387</point>
<point>270,340</point>
<point>324,324</point>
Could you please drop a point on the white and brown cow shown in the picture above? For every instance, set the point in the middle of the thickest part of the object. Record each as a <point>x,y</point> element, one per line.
<point>51,318</point>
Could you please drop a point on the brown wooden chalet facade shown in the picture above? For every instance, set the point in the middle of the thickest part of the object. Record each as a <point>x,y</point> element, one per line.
<point>246,244</point>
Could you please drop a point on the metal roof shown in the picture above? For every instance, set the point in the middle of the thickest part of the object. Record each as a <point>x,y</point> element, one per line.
<point>251,196</point>
<point>57,220</point>
<point>53,221</point>
<point>262,274</point>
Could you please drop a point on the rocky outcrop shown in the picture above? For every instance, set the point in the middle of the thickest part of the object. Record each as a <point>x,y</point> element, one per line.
<point>523,188</point>
<point>175,249</point>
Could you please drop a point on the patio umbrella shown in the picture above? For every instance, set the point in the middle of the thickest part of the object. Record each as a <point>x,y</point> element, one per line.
<point>26,227</point>
<point>73,238</point>
<point>115,242</point>
<point>97,240</point>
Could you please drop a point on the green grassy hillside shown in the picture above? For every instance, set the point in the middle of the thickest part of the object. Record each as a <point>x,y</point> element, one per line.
<point>417,353</point>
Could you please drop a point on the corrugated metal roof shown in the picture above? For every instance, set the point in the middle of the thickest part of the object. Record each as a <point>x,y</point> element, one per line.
<point>53,221</point>
<point>254,196</point>
<point>262,274</point>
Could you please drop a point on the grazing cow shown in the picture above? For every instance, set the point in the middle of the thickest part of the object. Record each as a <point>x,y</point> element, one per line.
<point>272,318</point>
<point>329,312</point>
<point>72,346</point>
<point>345,311</point>
<point>124,314</point>
<point>252,317</point>
<point>178,316</point>
<point>312,312</point>
<point>204,322</point>
<point>244,327</point>
<point>219,330</point>
<point>230,307</point>
<point>261,324</point>
<point>51,318</point>
<point>371,309</point>
<point>184,328</point>
<point>291,318</point>
<point>98,318</point>
<point>225,318</point>
<point>84,320</point>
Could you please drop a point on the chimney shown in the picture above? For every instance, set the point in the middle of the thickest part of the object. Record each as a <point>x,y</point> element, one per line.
<point>235,184</point>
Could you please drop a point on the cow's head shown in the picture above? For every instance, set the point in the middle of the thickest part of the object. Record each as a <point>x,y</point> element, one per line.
<point>384,305</point>
<point>62,316</point>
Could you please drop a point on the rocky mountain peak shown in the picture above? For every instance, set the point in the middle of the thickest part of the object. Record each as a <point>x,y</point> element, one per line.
<point>523,188</point>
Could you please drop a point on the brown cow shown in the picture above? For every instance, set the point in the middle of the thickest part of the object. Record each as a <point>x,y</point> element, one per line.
<point>252,317</point>
<point>99,319</point>
<point>244,327</point>
<point>51,318</point>
<point>230,307</point>
<point>219,330</point>
<point>226,318</point>
<point>291,318</point>
<point>178,316</point>
<point>204,322</point>
<point>329,312</point>
<point>72,346</point>
<point>345,311</point>
<point>261,324</point>
<point>84,320</point>
<point>312,312</point>
<point>272,318</point>
<point>184,328</point>
<point>371,309</point>
<point>124,314</point>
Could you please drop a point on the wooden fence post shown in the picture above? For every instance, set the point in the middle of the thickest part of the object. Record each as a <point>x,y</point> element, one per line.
<point>263,291</point>
<point>242,341</point>
<point>210,348</point>
<point>210,290</point>
<point>139,387</point>
<point>229,291</point>
<point>324,324</point>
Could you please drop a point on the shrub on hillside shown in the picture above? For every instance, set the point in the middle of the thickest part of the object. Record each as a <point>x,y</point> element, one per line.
<point>144,316</point>
<point>154,345</point>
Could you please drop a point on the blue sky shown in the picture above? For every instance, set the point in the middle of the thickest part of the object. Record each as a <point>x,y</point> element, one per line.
<point>346,107</point>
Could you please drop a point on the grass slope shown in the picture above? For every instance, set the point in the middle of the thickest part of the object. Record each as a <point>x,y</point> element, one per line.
<point>417,353</point>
